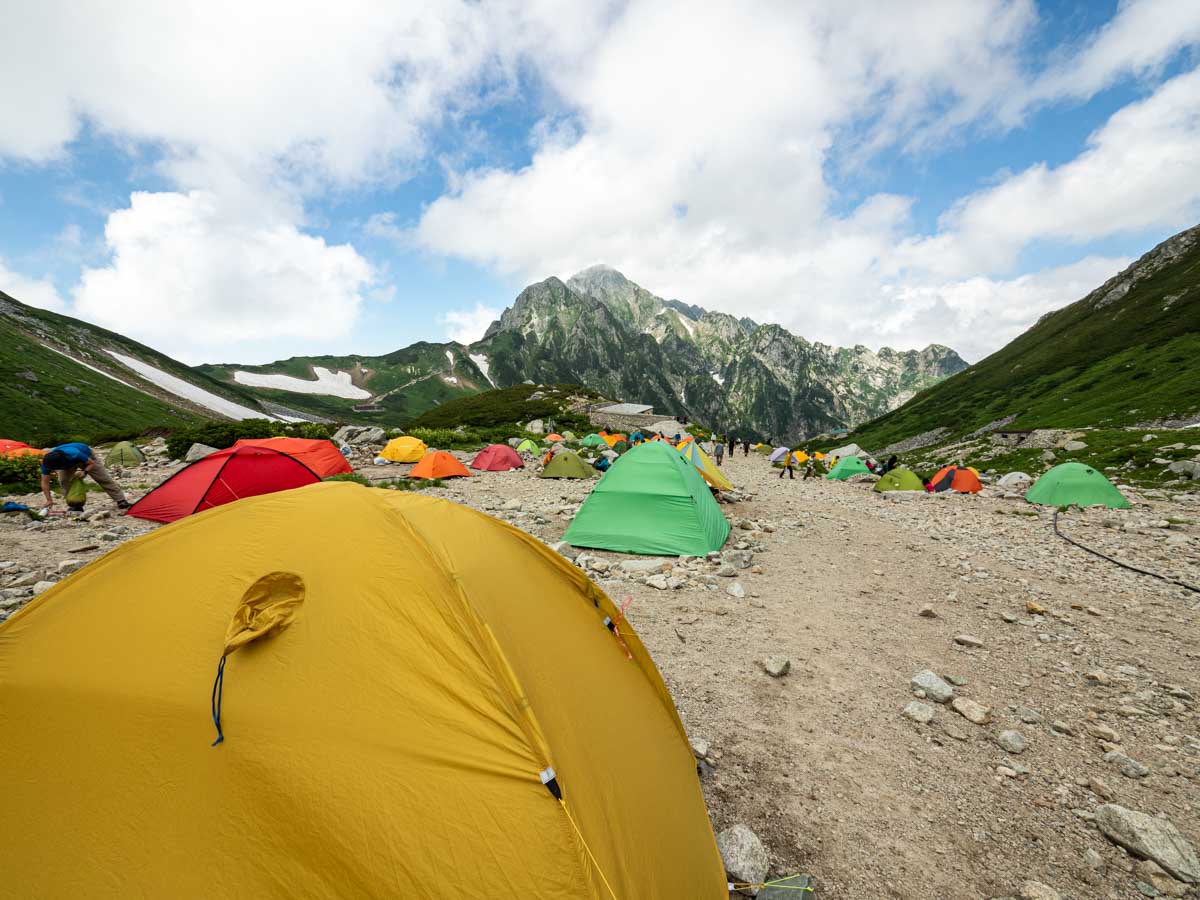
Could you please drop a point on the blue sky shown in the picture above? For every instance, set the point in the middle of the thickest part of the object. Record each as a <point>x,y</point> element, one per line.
<point>228,186</point>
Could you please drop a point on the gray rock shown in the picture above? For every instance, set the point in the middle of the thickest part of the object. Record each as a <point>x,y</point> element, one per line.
<point>725,570</point>
<point>933,686</point>
<point>1188,468</point>
<point>744,856</point>
<point>658,582</point>
<point>777,666</point>
<point>1060,727</point>
<point>1103,732</point>
<point>29,579</point>
<point>700,748</point>
<point>1011,741</point>
<point>1048,456</point>
<point>1130,768</point>
<point>513,505</point>
<point>564,549</point>
<point>919,712</point>
<point>198,451</point>
<point>1028,716</point>
<point>735,589</point>
<point>968,640</point>
<point>971,711</point>
<point>42,586</point>
<point>537,426</point>
<point>1074,446</point>
<point>1150,838</point>
<point>67,566</point>
<point>1035,890</point>
<point>641,566</point>
<point>598,564</point>
<point>739,559</point>
<point>359,434</point>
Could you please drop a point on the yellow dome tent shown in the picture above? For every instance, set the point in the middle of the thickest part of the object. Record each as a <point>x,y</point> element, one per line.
<point>441,713</point>
<point>404,450</point>
<point>708,470</point>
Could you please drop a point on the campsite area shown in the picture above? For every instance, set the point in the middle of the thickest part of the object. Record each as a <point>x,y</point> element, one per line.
<point>851,594</point>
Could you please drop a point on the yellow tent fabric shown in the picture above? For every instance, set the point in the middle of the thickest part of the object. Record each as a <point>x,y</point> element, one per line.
<point>404,450</point>
<point>387,717</point>
<point>705,466</point>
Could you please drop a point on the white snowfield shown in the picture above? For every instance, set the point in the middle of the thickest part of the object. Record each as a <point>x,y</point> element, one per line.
<point>331,384</point>
<point>188,391</point>
<point>481,362</point>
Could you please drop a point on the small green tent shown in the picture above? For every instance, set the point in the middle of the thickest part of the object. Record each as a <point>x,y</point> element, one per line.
<point>621,447</point>
<point>899,479</point>
<point>528,446</point>
<point>1075,483</point>
<point>654,502</point>
<point>847,467</point>
<point>125,454</point>
<point>566,465</point>
<point>594,440</point>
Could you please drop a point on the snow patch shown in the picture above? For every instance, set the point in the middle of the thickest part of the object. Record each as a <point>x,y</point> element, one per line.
<point>450,379</point>
<point>450,358</point>
<point>94,369</point>
<point>481,362</point>
<point>187,390</point>
<point>328,383</point>
<point>686,323</point>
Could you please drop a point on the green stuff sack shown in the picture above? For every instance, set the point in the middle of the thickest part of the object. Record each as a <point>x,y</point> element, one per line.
<point>77,493</point>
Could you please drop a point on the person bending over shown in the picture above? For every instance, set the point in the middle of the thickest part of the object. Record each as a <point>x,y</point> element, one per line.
<point>78,460</point>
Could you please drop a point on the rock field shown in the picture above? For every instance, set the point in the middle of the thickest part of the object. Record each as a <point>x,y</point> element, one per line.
<point>904,696</point>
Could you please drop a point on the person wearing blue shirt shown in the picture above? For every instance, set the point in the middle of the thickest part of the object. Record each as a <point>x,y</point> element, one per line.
<point>76,459</point>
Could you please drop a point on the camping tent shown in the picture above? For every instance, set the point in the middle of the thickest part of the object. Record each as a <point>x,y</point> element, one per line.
<point>553,438</point>
<point>439,464</point>
<point>1076,483</point>
<point>124,454</point>
<point>569,436</point>
<point>899,479</point>
<point>321,456</point>
<point>848,467</point>
<point>778,453</point>
<point>594,440</point>
<point>612,439</point>
<point>497,458</point>
<point>621,446</point>
<point>654,502</point>
<point>636,438</point>
<point>220,478</point>
<point>16,448</point>
<point>439,713</point>
<point>705,466</point>
<point>848,450</point>
<point>956,478</point>
<point>566,465</point>
<point>404,450</point>
<point>527,446</point>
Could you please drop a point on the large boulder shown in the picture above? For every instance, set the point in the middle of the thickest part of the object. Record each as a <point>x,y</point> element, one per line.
<point>744,856</point>
<point>359,434</point>
<point>537,426</point>
<point>1188,468</point>
<point>1150,838</point>
<point>198,451</point>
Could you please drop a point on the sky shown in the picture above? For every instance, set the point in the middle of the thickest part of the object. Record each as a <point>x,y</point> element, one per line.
<point>243,182</point>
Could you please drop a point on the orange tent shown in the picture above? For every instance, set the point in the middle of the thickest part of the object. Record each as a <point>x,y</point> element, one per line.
<point>320,456</point>
<point>439,464</point>
<point>16,448</point>
<point>956,478</point>
<point>611,439</point>
<point>554,437</point>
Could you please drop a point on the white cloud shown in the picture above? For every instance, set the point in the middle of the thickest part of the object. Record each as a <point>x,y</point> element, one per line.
<point>468,325</point>
<point>39,292</point>
<point>190,280</point>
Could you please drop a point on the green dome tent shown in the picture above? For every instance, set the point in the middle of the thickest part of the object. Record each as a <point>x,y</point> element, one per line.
<point>847,467</point>
<point>594,440</point>
<point>898,479</point>
<point>654,502</point>
<point>621,447</point>
<point>1073,482</point>
<point>566,465</point>
<point>528,446</point>
<point>125,454</point>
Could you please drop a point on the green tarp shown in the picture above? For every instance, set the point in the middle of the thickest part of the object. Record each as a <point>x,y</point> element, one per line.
<point>124,454</point>
<point>847,467</point>
<point>899,480</point>
<point>652,501</point>
<point>1076,483</point>
<point>566,465</point>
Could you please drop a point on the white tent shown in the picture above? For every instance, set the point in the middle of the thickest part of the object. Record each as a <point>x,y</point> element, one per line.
<point>1015,481</point>
<point>848,450</point>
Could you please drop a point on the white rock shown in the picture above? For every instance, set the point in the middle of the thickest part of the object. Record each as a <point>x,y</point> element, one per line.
<point>919,712</point>
<point>42,586</point>
<point>736,590</point>
<point>777,666</point>
<point>658,582</point>
<point>1011,741</point>
<point>67,566</point>
<point>198,451</point>
<point>744,856</point>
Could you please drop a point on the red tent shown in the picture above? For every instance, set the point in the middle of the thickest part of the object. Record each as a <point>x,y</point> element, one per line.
<point>320,456</point>
<point>16,448</point>
<point>220,478</point>
<point>497,458</point>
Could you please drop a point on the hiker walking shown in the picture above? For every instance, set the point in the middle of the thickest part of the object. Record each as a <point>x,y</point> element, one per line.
<point>746,447</point>
<point>719,452</point>
<point>788,459</point>
<point>810,467</point>
<point>76,459</point>
<point>732,443</point>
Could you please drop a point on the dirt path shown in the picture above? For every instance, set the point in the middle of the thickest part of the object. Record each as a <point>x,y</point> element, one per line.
<point>821,763</point>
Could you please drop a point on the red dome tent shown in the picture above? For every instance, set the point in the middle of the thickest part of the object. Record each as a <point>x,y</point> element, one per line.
<point>320,456</point>
<point>497,458</point>
<point>220,478</point>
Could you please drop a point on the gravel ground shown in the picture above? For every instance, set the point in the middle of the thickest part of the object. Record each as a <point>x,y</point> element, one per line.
<point>1095,667</point>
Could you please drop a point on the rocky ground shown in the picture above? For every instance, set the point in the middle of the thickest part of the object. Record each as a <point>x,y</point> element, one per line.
<point>905,696</point>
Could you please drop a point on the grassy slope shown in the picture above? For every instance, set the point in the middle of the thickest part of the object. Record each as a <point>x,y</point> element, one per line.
<point>43,412</point>
<point>504,407</point>
<point>1129,361</point>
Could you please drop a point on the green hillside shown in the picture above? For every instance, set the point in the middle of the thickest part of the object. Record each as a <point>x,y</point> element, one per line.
<point>1126,353</point>
<point>509,406</point>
